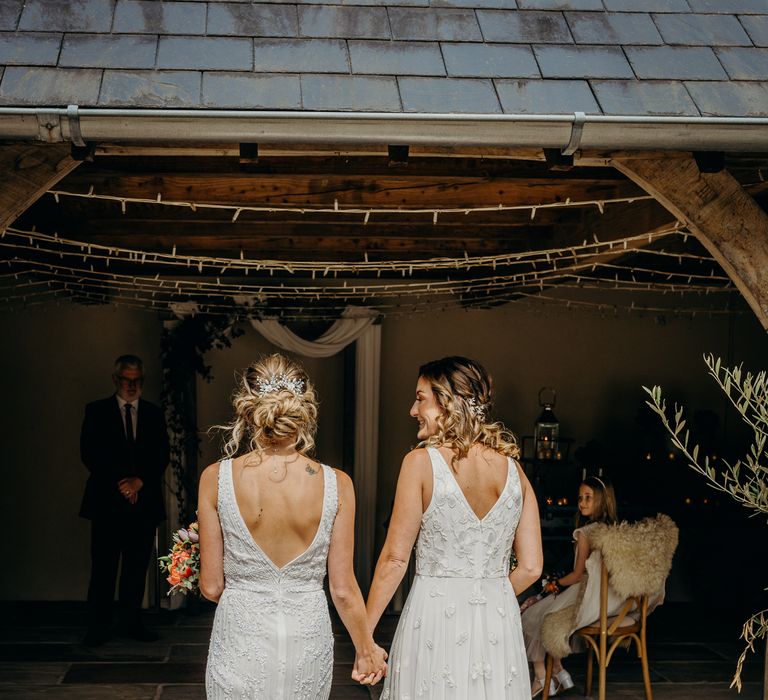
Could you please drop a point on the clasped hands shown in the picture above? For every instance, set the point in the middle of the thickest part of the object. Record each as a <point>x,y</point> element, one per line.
<point>370,667</point>
<point>129,488</point>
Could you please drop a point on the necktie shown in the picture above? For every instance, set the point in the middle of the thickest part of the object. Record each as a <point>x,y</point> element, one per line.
<point>128,424</point>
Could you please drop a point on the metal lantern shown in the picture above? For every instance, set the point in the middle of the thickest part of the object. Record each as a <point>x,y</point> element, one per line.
<point>547,427</point>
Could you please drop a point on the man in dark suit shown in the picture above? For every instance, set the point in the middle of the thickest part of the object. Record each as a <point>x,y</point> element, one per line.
<point>124,446</point>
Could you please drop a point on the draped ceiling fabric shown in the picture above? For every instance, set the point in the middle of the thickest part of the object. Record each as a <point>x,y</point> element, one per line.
<point>355,324</point>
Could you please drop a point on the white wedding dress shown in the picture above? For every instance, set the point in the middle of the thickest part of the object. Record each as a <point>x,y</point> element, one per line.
<point>459,634</point>
<point>271,636</point>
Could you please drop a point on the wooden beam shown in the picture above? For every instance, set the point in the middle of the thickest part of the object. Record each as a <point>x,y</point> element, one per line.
<point>27,172</point>
<point>716,209</point>
<point>393,191</point>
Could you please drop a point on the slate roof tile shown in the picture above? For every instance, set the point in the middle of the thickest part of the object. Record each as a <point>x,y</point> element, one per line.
<point>582,62</point>
<point>205,53</point>
<point>152,17</point>
<point>647,5</point>
<point>344,22</point>
<point>546,97</point>
<point>743,63</point>
<point>396,58</point>
<point>475,4</point>
<point>96,51</point>
<point>249,91</point>
<point>675,63</point>
<point>57,87</point>
<point>300,56</point>
<point>730,99</point>
<point>701,30</point>
<point>757,28</point>
<point>67,16</point>
<point>457,96</point>
<point>420,24</point>
<point>171,89</point>
<point>231,19</point>
<point>729,6</point>
<point>489,61</point>
<point>350,93</point>
<point>560,4</point>
<point>631,97</point>
<point>524,27</point>
<point>613,28</point>
<point>10,11</point>
<point>29,49</point>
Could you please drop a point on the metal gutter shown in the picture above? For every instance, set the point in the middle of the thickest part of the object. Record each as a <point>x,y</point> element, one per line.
<point>567,132</point>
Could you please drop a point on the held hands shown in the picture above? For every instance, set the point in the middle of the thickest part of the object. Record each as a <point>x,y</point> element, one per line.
<point>129,488</point>
<point>370,667</point>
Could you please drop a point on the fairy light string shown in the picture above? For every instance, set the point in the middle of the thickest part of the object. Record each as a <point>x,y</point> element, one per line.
<point>96,272</point>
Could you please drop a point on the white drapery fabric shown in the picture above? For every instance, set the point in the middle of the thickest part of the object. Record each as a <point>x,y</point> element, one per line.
<point>355,324</point>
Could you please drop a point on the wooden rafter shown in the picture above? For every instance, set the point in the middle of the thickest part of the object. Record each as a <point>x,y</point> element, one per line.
<point>28,171</point>
<point>714,206</point>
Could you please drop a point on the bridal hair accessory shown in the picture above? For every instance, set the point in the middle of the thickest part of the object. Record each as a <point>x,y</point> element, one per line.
<point>279,383</point>
<point>477,409</point>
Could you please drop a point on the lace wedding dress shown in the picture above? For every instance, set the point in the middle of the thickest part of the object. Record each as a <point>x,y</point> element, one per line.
<point>271,636</point>
<point>459,635</point>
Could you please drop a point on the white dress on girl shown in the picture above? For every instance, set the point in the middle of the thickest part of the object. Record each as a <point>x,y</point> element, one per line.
<point>459,635</point>
<point>589,609</point>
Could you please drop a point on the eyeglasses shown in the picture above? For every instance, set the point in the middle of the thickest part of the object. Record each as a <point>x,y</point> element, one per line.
<point>128,381</point>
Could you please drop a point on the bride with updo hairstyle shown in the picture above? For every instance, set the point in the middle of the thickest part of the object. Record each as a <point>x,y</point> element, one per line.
<point>263,418</point>
<point>465,502</point>
<point>272,522</point>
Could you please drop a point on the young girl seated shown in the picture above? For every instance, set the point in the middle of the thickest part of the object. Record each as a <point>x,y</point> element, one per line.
<point>596,504</point>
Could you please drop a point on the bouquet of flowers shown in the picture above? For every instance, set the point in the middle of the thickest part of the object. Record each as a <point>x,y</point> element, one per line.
<point>182,564</point>
<point>550,585</point>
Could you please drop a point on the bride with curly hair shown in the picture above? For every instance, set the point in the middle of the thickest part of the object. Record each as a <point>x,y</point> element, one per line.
<point>466,503</point>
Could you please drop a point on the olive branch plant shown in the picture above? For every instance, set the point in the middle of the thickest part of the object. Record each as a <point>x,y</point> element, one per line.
<point>746,479</point>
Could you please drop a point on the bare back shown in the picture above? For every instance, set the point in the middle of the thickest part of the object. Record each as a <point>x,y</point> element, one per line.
<point>281,508</point>
<point>481,476</point>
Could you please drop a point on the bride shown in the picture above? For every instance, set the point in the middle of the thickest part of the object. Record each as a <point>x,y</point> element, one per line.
<point>467,500</point>
<point>272,519</point>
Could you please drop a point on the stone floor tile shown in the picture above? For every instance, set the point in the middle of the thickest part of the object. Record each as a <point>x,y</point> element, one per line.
<point>150,673</point>
<point>188,652</point>
<point>183,692</point>
<point>31,673</point>
<point>79,692</point>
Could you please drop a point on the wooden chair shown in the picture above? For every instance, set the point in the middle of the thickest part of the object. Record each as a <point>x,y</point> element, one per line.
<point>636,580</point>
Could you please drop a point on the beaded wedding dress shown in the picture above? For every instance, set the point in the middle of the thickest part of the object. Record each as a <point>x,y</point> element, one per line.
<point>459,634</point>
<point>271,636</point>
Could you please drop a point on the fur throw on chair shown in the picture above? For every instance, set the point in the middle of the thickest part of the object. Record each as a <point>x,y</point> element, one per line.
<point>638,557</point>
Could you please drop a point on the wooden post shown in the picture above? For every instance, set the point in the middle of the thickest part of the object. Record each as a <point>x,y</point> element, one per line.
<point>27,171</point>
<point>727,221</point>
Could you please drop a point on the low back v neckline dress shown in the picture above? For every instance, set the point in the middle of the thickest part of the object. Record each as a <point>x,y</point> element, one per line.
<point>459,635</point>
<point>271,634</point>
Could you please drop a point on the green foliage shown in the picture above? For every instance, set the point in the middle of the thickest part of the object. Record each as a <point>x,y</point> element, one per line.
<point>745,480</point>
<point>183,347</point>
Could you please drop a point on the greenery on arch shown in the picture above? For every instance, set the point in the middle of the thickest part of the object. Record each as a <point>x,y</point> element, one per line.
<point>183,347</point>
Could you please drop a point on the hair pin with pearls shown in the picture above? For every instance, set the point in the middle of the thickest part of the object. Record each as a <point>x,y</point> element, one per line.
<point>281,382</point>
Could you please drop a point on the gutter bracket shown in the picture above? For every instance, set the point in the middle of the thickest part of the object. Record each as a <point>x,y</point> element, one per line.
<point>577,128</point>
<point>49,127</point>
<point>73,120</point>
